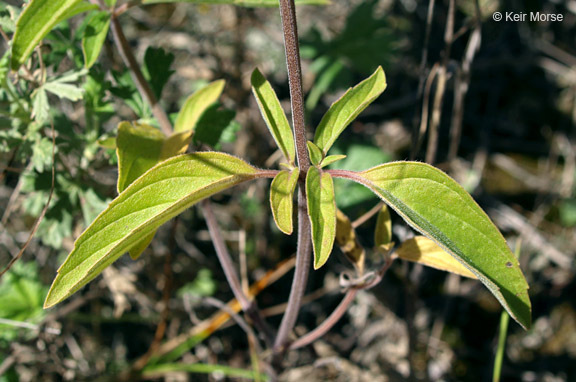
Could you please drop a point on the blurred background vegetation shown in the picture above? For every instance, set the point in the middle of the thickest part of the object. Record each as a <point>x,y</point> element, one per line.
<point>493,104</point>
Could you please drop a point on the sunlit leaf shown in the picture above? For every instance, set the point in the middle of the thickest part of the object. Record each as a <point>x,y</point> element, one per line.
<point>156,197</point>
<point>37,19</point>
<point>197,104</point>
<point>94,37</point>
<point>438,207</point>
<point>322,213</point>
<point>139,148</point>
<point>315,153</point>
<point>347,108</point>
<point>331,159</point>
<point>425,251</point>
<point>274,115</point>
<point>282,199</point>
<point>347,240</point>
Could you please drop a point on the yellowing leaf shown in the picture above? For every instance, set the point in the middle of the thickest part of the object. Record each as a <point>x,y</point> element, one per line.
<point>282,199</point>
<point>348,241</point>
<point>438,207</point>
<point>383,231</point>
<point>347,108</point>
<point>322,213</point>
<point>422,250</point>
<point>196,105</point>
<point>156,197</point>
<point>273,115</point>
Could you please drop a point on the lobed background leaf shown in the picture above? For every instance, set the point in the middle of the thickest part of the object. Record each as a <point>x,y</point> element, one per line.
<point>159,195</point>
<point>94,37</point>
<point>435,205</point>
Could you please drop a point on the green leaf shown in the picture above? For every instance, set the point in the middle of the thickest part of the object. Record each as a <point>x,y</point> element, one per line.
<point>197,104</point>
<point>331,159</point>
<point>347,108</point>
<point>156,68</point>
<point>156,197</point>
<point>39,17</point>
<point>140,147</point>
<point>281,199</point>
<point>242,3</point>
<point>63,88</point>
<point>40,107</point>
<point>274,115</point>
<point>94,37</point>
<point>438,207</point>
<point>315,153</point>
<point>322,213</point>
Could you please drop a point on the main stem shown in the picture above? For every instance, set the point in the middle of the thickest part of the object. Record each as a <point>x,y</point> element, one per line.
<point>302,268</point>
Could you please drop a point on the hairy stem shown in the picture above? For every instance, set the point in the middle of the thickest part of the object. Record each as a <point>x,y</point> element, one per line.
<point>304,247</point>
<point>141,83</point>
<point>301,271</point>
<point>290,30</point>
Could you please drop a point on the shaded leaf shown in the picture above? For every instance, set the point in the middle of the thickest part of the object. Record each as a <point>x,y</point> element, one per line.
<point>438,207</point>
<point>156,68</point>
<point>196,104</point>
<point>37,19</point>
<point>274,115</point>
<point>347,108</point>
<point>322,213</point>
<point>159,195</point>
<point>422,250</point>
<point>282,199</point>
<point>94,37</point>
<point>383,231</point>
<point>348,241</point>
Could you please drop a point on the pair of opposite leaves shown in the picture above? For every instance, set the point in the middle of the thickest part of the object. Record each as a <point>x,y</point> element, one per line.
<point>428,200</point>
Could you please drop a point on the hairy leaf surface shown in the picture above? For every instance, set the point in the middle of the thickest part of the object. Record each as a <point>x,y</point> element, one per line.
<point>322,213</point>
<point>347,108</point>
<point>274,115</point>
<point>159,195</point>
<point>435,205</point>
<point>282,199</point>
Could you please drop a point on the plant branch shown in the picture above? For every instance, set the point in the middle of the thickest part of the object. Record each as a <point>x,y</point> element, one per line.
<point>248,306</point>
<point>304,246</point>
<point>141,83</point>
<point>290,30</point>
<point>301,271</point>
